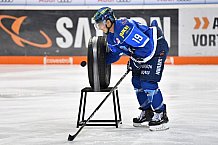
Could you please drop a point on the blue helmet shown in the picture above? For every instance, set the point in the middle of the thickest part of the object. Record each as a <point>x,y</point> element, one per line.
<point>104,14</point>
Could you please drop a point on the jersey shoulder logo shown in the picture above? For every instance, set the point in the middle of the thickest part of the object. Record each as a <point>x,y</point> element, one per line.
<point>123,21</point>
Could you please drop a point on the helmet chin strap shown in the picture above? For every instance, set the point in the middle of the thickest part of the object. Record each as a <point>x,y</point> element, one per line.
<point>108,28</point>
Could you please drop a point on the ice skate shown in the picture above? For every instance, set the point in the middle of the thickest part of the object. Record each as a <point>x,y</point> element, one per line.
<point>145,116</point>
<point>159,121</point>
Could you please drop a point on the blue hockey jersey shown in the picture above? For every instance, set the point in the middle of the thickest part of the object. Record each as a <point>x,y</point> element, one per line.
<point>133,39</point>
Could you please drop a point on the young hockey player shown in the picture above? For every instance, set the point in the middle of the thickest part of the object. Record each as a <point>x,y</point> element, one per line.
<point>147,49</point>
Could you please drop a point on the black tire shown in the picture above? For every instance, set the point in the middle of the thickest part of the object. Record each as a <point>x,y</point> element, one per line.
<point>104,70</point>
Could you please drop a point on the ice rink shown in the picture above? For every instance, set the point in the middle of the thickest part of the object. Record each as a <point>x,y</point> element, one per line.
<point>39,106</point>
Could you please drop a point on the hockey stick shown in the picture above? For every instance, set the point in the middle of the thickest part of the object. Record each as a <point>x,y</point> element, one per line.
<point>72,137</point>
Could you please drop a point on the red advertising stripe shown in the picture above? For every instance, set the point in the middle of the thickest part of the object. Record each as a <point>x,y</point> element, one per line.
<point>78,59</point>
<point>195,60</point>
<point>21,59</point>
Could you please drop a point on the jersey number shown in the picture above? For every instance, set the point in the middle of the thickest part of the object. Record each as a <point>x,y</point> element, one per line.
<point>137,38</point>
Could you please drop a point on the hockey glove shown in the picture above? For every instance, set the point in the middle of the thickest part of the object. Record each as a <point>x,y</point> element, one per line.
<point>129,66</point>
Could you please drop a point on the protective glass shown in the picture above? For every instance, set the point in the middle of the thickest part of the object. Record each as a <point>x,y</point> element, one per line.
<point>99,25</point>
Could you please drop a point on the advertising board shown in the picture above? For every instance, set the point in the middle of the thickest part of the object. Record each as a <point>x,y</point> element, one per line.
<point>67,32</point>
<point>198,32</point>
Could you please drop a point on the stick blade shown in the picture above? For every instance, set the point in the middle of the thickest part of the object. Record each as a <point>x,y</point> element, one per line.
<point>71,137</point>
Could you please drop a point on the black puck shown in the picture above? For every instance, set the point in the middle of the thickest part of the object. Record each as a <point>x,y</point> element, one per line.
<point>83,63</point>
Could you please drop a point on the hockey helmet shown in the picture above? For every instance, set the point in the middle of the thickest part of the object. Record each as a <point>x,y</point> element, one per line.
<point>102,15</point>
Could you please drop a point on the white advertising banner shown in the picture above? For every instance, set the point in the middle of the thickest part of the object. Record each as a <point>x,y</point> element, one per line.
<point>12,2</point>
<point>55,2</point>
<point>174,1</point>
<point>104,2</point>
<point>211,1</point>
<point>114,2</point>
<point>198,32</point>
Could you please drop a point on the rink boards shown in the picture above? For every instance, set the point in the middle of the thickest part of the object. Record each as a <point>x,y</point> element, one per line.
<point>60,35</point>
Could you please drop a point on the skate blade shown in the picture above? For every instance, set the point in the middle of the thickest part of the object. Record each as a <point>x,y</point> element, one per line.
<point>144,124</point>
<point>159,127</point>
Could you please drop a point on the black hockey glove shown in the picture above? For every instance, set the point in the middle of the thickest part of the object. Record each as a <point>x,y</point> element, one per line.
<point>129,66</point>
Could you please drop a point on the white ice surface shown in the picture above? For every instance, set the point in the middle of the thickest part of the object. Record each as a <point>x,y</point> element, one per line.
<point>39,106</point>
